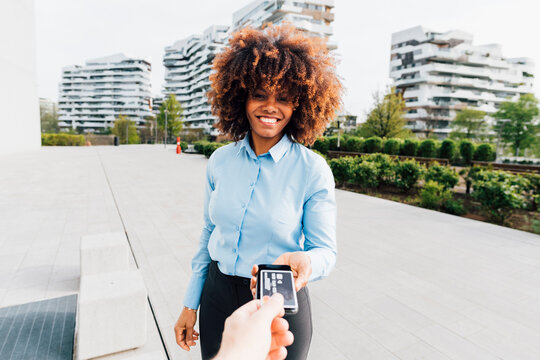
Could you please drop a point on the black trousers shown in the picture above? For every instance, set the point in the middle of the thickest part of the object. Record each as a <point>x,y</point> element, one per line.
<point>223,294</point>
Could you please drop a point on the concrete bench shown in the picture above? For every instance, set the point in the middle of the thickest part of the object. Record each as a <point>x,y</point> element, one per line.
<point>112,313</point>
<point>104,253</point>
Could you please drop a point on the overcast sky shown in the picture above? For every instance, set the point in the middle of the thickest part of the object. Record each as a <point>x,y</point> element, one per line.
<point>72,31</point>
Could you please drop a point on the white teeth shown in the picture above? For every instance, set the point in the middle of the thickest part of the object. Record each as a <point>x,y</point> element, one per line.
<point>268,120</point>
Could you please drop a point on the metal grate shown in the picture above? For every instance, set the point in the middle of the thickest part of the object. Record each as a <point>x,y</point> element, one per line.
<point>41,330</point>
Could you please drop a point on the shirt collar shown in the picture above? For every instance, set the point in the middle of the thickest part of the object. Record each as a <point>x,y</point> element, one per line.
<point>276,152</point>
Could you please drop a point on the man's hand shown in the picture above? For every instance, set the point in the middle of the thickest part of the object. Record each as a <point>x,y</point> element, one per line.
<point>300,264</point>
<point>255,332</point>
<point>185,333</point>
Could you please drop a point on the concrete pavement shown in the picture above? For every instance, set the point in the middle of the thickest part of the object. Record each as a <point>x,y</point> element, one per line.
<point>409,283</point>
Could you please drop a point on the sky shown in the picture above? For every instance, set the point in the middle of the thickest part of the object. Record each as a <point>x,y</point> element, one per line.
<point>70,32</point>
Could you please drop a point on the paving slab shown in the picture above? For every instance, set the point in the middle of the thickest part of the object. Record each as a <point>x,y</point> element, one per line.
<point>409,283</point>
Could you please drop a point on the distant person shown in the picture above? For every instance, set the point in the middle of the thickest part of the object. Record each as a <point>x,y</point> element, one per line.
<point>268,198</point>
<point>255,332</point>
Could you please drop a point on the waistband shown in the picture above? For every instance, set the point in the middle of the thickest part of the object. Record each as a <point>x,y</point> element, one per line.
<point>238,280</point>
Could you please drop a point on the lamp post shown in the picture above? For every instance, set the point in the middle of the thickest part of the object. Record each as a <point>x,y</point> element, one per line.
<point>165,140</point>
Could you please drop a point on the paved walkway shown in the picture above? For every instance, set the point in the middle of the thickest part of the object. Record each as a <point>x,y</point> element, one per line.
<point>409,283</point>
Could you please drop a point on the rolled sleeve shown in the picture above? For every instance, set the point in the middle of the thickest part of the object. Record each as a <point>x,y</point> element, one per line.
<point>319,221</point>
<point>199,263</point>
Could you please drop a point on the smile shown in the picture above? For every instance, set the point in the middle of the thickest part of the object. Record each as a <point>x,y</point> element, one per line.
<point>268,120</point>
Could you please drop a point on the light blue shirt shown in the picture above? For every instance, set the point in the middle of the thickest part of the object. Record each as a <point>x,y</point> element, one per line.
<point>259,207</point>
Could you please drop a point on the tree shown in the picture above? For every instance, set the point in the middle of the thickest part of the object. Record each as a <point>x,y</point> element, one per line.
<point>516,122</point>
<point>468,124</point>
<point>123,123</point>
<point>48,119</point>
<point>174,116</point>
<point>386,118</point>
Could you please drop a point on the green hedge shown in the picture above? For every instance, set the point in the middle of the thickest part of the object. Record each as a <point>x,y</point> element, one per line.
<point>484,152</point>
<point>354,144</point>
<point>466,150</point>
<point>373,144</point>
<point>409,147</point>
<point>62,139</point>
<point>427,149</point>
<point>391,147</point>
<point>374,170</point>
<point>448,149</point>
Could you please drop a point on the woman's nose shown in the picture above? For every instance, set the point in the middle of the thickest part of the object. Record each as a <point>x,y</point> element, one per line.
<point>270,104</point>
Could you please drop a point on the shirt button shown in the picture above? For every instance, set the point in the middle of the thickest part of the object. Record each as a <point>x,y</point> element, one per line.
<point>234,251</point>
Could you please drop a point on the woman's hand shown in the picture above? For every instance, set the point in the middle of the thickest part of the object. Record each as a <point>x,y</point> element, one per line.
<point>185,333</point>
<point>300,264</point>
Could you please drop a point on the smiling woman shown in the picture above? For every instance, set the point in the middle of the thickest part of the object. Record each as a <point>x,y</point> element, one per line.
<point>268,198</point>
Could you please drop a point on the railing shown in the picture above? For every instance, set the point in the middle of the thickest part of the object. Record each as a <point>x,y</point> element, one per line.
<point>516,168</point>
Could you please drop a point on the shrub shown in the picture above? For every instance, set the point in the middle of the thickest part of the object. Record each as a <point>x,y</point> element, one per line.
<point>409,147</point>
<point>407,174</point>
<point>484,152</point>
<point>433,195</point>
<point>332,143</point>
<point>444,175</point>
<point>453,207</point>
<point>321,145</point>
<point>199,146</point>
<point>62,139</point>
<point>342,169</point>
<point>448,149</point>
<point>391,147</point>
<point>373,144</point>
<point>210,148</point>
<point>427,148</point>
<point>385,167</point>
<point>466,150</point>
<point>354,144</point>
<point>183,145</point>
<point>499,192</point>
<point>366,174</point>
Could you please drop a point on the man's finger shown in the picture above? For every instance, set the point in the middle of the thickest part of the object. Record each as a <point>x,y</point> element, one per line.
<point>254,270</point>
<point>279,324</point>
<point>281,339</point>
<point>272,308</point>
<point>278,354</point>
<point>248,309</point>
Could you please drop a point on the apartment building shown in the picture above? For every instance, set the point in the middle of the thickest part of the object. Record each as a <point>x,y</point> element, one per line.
<point>188,64</point>
<point>94,95</point>
<point>312,16</point>
<point>441,73</point>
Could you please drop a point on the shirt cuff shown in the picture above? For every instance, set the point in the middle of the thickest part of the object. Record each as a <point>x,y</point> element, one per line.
<point>194,291</point>
<point>322,263</point>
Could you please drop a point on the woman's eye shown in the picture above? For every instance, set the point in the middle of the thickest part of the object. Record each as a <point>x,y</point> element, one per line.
<point>258,96</point>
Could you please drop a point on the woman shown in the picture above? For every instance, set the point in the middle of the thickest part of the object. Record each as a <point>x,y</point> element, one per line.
<point>268,198</point>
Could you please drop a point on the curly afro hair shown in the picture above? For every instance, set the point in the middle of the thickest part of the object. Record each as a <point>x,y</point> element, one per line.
<point>277,58</point>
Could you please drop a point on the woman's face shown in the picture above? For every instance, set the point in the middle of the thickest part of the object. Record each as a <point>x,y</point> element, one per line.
<point>268,114</point>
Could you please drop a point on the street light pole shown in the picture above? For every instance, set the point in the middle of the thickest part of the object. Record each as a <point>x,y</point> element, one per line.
<point>165,141</point>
